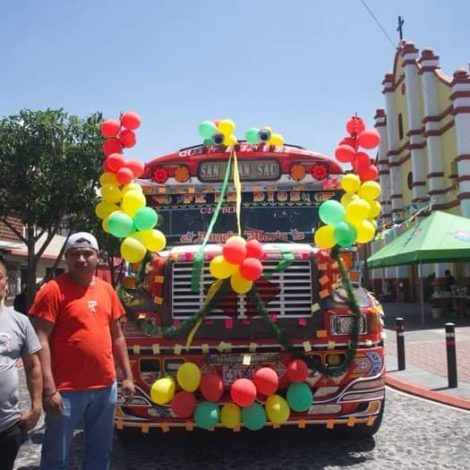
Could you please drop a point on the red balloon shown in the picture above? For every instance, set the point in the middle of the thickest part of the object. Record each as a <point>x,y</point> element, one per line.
<point>355,125</point>
<point>106,166</point>
<point>369,139</point>
<point>362,162</point>
<point>251,269</point>
<point>344,153</point>
<point>212,387</point>
<point>115,161</point>
<point>297,370</point>
<point>124,175</point>
<point>183,404</point>
<point>130,120</point>
<point>266,381</point>
<point>110,128</point>
<point>351,141</point>
<point>127,138</point>
<point>112,146</point>
<point>243,392</point>
<point>371,174</point>
<point>136,167</point>
<point>254,249</point>
<point>234,250</point>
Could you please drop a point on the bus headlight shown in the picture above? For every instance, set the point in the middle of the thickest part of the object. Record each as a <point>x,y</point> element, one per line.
<point>344,324</point>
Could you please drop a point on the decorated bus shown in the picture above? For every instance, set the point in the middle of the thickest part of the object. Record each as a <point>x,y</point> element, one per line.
<point>235,317</point>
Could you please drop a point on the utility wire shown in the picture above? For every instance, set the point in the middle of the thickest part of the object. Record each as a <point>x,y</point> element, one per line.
<point>378,24</point>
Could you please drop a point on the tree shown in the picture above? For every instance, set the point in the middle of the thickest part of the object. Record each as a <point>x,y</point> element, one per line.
<point>50,163</point>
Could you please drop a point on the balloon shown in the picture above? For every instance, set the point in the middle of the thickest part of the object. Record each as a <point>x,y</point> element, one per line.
<point>254,417</point>
<point>206,415</point>
<point>277,409</point>
<point>239,284</point>
<point>207,129</point>
<point>252,135</point>
<point>127,138</point>
<point>230,140</point>
<point>132,201</point>
<point>220,269</point>
<point>324,237</point>
<point>105,225</point>
<point>350,183</point>
<point>162,390</point>
<point>103,209</point>
<point>212,387</point>
<point>120,224</point>
<point>299,397</point>
<point>254,249</point>
<point>251,269</point>
<point>153,239</point>
<point>234,250</point>
<point>362,162</point>
<point>243,392</point>
<point>365,231</point>
<point>124,175</point>
<point>145,218</point>
<point>370,174</point>
<point>369,190</point>
<point>297,370</point>
<point>131,186</point>
<point>218,139</point>
<point>110,193</point>
<point>115,161</point>
<point>276,139</point>
<point>331,212</point>
<point>230,416</point>
<point>136,167</point>
<point>112,146</point>
<point>132,250</point>
<point>266,381</point>
<point>355,125</point>
<point>357,210</point>
<point>347,198</point>
<point>226,126</point>
<point>108,178</point>
<point>183,404</point>
<point>188,376</point>
<point>345,234</point>
<point>375,209</point>
<point>110,128</point>
<point>369,138</point>
<point>351,141</point>
<point>130,120</point>
<point>208,141</point>
<point>264,134</point>
<point>344,153</point>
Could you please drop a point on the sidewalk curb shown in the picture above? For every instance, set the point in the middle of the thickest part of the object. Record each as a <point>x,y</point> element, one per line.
<point>413,389</point>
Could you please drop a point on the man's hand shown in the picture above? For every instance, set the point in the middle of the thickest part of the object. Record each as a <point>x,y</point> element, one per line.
<point>53,404</point>
<point>29,419</point>
<point>128,388</point>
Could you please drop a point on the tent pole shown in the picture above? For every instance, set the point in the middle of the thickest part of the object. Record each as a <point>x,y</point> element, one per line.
<point>420,274</point>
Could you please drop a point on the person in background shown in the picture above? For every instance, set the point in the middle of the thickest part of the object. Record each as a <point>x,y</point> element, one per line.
<point>450,280</point>
<point>77,318</point>
<point>19,304</point>
<point>17,340</point>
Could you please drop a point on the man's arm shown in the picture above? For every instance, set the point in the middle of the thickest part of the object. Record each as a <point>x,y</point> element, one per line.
<point>32,367</point>
<point>120,352</point>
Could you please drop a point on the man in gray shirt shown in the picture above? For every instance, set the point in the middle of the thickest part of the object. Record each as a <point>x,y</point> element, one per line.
<point>17,340</point>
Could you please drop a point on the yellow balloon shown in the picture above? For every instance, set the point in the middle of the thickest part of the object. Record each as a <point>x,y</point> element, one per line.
<point>162,390</point>
<point>230,140</point>
<point>220,269</point>
<point>239,284</point>
<point>324,237</point>
<point>276,139</point>
<point>132,201</point>
<point>365,231</point>
<point>230,416</point>
<point>103,209</point>
<point>374,223</point>
<point>226,126</point>
<point>111,193</point>
<point>130,187</point>
<point>277,409</point>
<point>357,211</point>
<point>189,376</point>
<point>347,198</point>
<point>104,224</point>
<point>153,239</point>
<point>375,209</point>
<point>350,183</point>
<point>369,190</point>
<point>132,250</point>
<point>109,178</point>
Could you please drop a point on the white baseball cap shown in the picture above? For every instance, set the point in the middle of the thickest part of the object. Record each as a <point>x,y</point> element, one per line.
<point>81,240</point>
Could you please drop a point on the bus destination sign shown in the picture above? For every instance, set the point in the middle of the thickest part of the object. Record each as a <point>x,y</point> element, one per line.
<point>250,170</point>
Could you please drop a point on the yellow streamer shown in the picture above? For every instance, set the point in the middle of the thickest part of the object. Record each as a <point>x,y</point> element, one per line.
<point>238,191</point>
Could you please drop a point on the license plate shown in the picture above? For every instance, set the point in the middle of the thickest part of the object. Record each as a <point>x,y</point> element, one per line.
<point>232,373</point>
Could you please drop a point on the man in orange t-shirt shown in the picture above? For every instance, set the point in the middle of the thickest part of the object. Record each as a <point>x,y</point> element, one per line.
<point>76,317</point>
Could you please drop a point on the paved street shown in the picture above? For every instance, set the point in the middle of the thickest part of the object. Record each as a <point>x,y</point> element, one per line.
<point>415,434</point>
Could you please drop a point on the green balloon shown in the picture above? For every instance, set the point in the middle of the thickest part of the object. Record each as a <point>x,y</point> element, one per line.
<point>345,234</point>
<point>145,218</point>
<point>120,224</point>
<point>208,141</point>
<point>299,397</point>
<point>207,129</point>
<point>252,136</point>
<point>206,415</point>
<point>332,212</point>
<point>254,417</point>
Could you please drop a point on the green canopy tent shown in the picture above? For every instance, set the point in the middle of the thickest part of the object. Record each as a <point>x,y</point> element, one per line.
<point>439,238</point>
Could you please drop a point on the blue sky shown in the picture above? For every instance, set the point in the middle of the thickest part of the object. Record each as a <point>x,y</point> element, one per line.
<point>300,66</point>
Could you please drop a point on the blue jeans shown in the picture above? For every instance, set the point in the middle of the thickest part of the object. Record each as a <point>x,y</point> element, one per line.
<point>95,408</point>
